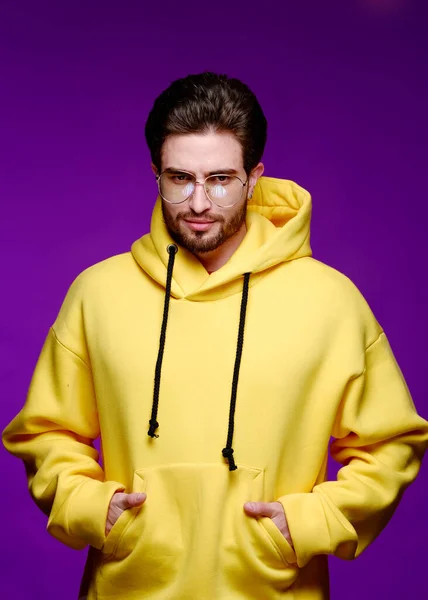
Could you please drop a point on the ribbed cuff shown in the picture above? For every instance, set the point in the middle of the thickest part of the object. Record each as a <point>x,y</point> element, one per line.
<point>307,524</point>
<point>82,521</point>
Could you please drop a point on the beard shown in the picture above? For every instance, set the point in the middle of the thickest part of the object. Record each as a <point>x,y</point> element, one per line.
<point>200,242</point>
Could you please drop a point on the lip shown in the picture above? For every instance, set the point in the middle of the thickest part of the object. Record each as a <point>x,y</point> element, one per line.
<point>199,225</point>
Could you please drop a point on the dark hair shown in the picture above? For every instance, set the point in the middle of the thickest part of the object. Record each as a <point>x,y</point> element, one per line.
<point>208,102</point>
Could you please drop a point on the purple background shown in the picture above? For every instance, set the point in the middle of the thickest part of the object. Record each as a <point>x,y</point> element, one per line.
<point>344,87</point>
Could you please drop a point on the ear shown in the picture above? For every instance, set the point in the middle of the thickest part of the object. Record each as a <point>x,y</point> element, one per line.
<point>254,176</point>
<point>154,169</point>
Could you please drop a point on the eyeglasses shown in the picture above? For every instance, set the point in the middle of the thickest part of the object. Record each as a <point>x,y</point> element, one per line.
<point>222,190</point>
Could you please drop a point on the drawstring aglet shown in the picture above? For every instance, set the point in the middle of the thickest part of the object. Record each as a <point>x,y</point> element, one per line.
<point>228,455</point>
<point>153,426</point>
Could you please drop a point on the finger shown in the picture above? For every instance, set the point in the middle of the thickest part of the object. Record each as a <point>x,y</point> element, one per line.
<point>261,509</point>
<point>132,500</point>
<point>135,499</point>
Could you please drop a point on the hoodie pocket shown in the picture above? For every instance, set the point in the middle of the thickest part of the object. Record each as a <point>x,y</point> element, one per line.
<point>144,548</point>
<point>192,539</point>
<point>114,539</point>
<point>256,558</point>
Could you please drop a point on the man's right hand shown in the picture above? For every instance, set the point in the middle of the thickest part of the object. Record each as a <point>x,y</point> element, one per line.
<point>119,503</point>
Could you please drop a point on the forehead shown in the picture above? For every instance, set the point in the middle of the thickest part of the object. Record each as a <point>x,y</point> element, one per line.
<point>202,153</point>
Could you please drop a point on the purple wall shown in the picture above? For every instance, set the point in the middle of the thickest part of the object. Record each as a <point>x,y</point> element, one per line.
<point>344,88</point>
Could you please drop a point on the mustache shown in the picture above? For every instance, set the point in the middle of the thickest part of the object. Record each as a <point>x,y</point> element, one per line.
<point>194,217</point>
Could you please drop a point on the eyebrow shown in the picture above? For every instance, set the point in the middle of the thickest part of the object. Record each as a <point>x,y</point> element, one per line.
<point>216,172</point>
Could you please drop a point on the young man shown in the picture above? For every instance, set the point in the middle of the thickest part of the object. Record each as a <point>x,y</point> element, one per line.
<point>215,361</point>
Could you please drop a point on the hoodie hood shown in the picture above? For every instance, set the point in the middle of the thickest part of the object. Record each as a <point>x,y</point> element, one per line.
<point>278,230</point>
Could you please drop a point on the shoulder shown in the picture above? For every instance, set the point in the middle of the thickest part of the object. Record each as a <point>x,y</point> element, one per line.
<point>335,295</point>
<point>323,278</point>
<point>97,283</point>
<point>110,272</point>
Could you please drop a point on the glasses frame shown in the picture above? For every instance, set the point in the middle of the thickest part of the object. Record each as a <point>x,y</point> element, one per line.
<point>244,183</point>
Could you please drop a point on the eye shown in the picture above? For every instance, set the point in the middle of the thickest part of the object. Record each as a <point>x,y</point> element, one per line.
<point>221,179</point>
<point>181,178</point>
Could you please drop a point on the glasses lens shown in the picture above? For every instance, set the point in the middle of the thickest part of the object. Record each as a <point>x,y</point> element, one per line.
<point>224,190</point>
<point>176,187</point>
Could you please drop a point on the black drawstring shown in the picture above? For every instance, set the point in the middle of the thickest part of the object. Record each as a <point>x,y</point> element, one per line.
<point>172,250</point>
<point>228,450</point>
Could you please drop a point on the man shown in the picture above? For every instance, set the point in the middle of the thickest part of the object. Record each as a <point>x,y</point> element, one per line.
<point>215,361</point>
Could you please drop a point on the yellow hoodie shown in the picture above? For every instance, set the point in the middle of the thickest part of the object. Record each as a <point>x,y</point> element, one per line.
<point>315,363</point>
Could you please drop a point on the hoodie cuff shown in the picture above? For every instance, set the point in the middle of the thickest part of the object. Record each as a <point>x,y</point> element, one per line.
<point>81,519</point>
<point>307,525</point>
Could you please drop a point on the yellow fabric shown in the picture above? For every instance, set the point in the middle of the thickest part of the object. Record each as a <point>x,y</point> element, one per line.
<point>315,364</point>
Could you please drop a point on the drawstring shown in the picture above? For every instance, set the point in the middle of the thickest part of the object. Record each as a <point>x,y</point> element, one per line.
<point>172,250</point>
<point>228,450</point>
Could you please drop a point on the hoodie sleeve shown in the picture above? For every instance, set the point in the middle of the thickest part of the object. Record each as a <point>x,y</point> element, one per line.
<point>380,441</point>
<point>54,433</point>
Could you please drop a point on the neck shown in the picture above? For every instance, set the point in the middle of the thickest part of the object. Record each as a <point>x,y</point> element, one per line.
<point>214,260</point>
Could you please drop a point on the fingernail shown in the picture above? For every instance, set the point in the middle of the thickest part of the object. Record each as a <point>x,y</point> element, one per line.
<point>249,505</point>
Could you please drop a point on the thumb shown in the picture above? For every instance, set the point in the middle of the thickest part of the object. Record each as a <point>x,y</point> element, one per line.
<point>134,499</point>
<point>260,509</point>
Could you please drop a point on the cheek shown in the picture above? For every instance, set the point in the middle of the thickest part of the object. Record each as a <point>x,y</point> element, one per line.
<point>169,212</point>
<point>237,211</point>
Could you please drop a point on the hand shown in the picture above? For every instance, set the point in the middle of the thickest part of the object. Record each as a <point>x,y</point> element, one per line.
<point>120,502</point>
<point>273,510</point>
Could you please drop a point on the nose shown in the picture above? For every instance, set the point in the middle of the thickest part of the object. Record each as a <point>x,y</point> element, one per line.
<point>198,201</point>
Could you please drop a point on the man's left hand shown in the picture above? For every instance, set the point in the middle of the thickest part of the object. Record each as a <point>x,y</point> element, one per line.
<point>273,510</point>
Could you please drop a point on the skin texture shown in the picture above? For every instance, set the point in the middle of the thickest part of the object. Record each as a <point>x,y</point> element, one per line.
<point>201,154</point>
